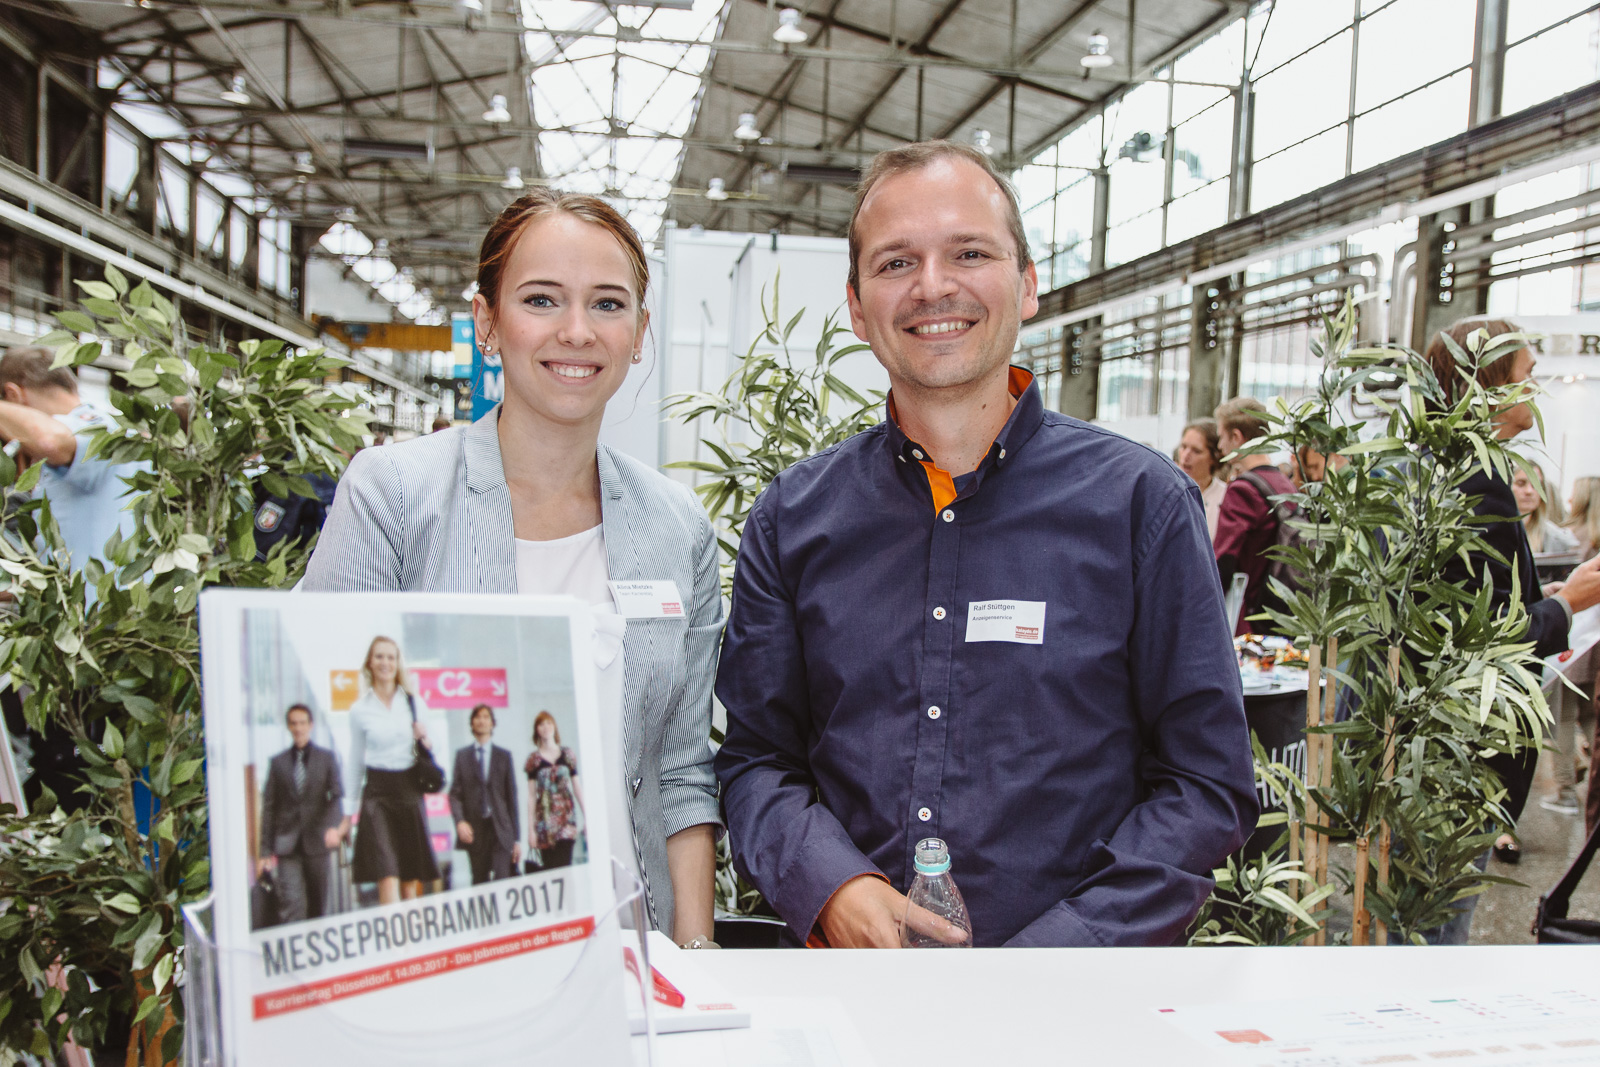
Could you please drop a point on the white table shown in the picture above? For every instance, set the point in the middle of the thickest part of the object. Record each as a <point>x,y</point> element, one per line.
<point>1085,1007</point>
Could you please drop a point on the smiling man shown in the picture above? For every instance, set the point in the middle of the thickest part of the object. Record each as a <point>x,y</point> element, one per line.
<point>979,620</point>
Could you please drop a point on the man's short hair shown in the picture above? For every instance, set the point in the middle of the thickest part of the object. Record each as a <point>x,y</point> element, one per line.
<point>1244,415</point>
<point>29,367</point>
<point>483,707</point>
<point>298,707</point>
<point>915,156</point>
<point>1443,361</point>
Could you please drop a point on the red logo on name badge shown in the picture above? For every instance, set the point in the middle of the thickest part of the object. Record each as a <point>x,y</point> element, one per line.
<point>1027,633</point>
<point>671,607</point>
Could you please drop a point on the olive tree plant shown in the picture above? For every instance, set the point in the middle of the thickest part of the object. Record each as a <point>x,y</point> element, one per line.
<point>1434,676</point>
<point>108,653</point>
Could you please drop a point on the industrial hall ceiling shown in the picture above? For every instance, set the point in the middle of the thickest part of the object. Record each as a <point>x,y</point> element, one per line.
<point>413,123</point>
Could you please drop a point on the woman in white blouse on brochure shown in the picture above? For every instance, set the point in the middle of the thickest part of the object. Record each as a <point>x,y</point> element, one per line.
<point>392,844</point>
<point>526,500</point>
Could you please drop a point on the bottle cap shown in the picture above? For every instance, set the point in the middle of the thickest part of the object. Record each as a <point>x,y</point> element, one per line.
<point>932,856</point>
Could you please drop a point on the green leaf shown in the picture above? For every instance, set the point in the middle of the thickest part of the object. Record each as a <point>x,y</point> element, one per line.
<point>147,945</point>
<point>50,1003</point>
<point>1491,679</point>
<point>163,972</point>
<point>30,478</point>
<point>123,902</point>
<point>98,290</point>
<point>29,966</point>
<point>146,1007</point>
<point>76,321</point>
<point>118,280</point>
<point>112,744</point>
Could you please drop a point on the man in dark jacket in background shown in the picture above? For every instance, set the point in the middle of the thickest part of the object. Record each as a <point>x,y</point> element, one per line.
<point>1549,609</point>
<point>483,802</point>
<point>301,820</point>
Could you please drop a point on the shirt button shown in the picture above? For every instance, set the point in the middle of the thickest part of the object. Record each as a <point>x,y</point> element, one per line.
<point>934,712</point>
<point>924,814</point>
<point>1002,453</point>
<point>917,453</point>
<point>938,613</point>
<point>948,516</point>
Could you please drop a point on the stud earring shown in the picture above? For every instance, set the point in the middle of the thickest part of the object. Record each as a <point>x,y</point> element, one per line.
<point>638,358</point>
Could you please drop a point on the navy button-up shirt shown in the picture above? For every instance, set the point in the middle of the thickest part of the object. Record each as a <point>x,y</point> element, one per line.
<point>1087,785</point>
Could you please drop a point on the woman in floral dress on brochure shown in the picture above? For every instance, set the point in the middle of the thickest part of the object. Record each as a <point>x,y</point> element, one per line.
<point>554,795</point>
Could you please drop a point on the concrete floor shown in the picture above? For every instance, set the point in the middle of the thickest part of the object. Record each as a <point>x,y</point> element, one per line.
<point>1549,843</point>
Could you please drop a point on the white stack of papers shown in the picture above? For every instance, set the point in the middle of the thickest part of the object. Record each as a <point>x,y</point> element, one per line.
<point>1524,1029</point>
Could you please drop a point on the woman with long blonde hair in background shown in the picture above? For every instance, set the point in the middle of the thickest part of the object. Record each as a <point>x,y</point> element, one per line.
<point>1585,518</point>
<point>1541,514</point>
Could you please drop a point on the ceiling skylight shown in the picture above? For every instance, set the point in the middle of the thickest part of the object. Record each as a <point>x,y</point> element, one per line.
<point>597,88</point>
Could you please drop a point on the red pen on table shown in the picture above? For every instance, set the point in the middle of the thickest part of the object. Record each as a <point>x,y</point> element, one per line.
<point>664,991</point>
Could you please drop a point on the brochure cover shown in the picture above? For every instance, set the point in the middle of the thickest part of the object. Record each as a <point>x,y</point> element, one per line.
<point>371,907</point>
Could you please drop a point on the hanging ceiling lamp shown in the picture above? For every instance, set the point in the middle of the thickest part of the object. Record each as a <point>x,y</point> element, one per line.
<point>497,112</point>
<point>513,180</point>
<point>303,163</point>
<point>1099,51</point>
<point>789,30</point>
<point>747,129</point>
<point>236,93</point>
<point>716,190</point>
<point>982,140</point>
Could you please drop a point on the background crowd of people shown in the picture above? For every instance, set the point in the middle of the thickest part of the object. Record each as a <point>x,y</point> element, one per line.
<point>1552,537</point>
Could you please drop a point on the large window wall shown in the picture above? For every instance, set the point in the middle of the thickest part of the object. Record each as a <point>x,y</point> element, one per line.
<point>1339,86</point>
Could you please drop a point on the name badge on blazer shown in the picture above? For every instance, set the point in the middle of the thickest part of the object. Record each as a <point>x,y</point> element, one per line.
<point>1018,621</point>
<point>648,599</point>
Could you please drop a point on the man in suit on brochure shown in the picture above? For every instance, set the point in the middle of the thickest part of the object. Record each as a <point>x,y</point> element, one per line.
<point>302,820</point>
<point>483,802</point>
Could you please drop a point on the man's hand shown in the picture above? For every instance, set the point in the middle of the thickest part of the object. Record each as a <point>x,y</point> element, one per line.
<point>516,856</point>
<point>865,912</point>
<point>331,837</point>
<point>265,864</point>
<point>1582,589</point>
<point>464,832</point>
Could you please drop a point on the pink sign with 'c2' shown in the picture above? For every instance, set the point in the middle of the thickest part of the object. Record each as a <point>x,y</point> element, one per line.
<point>461,687</point>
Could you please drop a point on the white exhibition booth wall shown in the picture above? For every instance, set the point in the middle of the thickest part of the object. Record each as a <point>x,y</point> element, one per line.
<point>707,290</point>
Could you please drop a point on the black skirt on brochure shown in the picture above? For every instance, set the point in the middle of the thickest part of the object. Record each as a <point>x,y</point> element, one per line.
<point>392,834</point>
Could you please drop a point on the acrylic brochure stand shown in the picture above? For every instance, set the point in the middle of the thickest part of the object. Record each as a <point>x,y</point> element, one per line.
<point>533,1027</point>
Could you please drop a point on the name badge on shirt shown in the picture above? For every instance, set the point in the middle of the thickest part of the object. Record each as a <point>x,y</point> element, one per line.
<point>648,600</point>
<point>1018,621</point>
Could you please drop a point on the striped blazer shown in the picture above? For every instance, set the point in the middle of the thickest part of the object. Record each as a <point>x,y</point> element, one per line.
<point>434,514</point>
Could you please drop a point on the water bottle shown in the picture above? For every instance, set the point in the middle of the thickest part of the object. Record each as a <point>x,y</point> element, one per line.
<point>936,916</point>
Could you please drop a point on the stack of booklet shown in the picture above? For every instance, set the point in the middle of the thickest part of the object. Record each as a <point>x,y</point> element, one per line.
<point>380,903</point>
